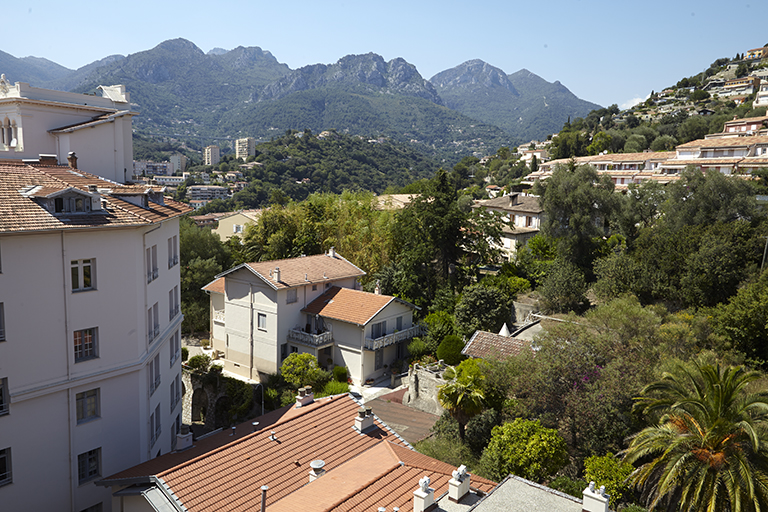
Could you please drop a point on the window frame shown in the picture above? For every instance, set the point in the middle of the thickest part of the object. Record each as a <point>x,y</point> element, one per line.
<point>77,274</point>
<point>173,251</point>
<point>86,354</point>
<point>152,271</point>
<point>292,296</point>
<point>81,405</point>
<point>175,346</point>
<point>7,477</point>
<point>261,321</point>
<point>2,322</point>
<point>86,462</point>
<point>155,376</point>
<point>5,398</point>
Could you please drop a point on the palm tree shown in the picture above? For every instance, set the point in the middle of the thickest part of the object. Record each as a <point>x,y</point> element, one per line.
<point>708,450</point>
<point>462,396</point>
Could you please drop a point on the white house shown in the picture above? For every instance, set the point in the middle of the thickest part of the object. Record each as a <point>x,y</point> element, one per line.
<point>522,219</point>
<point>36,121</point>
<point>89,332</point>
<point>262,312</point>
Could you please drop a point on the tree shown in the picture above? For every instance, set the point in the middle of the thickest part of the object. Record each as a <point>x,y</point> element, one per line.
<point>610,471</point>
<point>482,308</point>
<point>302,369</point>
<point>744,320</point>
<point>462,396</point>
<point>564,289</point>
<point>578,205</point>
<point>706,451</point>
<point>449,350</point>
<point>524,448</point>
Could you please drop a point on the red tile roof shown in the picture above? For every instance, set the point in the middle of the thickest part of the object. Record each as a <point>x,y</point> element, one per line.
<point>484,344</point>
<point>302,271</point>
<point>353,306</point>
<point>20,213</point>
<point>215,286</point>
<point>362,469</point>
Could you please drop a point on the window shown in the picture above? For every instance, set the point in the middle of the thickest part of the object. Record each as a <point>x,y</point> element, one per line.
<point>6,477</point>
<point>399,323</point>
<point>379,359</point>
<point>175,352</point>
<point>283,351</point>
<point>173,303</point>
<point>237,228</point>
<point>262,321</point>
<point>93,508</point>
<point>314,287</point>
<point>154,374</point>
<point>83,275</point>
<point>71,204</point>
<point>173,251</point>
<point>294,350</point>
<point>87,405</point>
<point>152,271</point>
<point>292,296</point>
<point>378,330</point>
<point>175,392</point>
<point>2,322</point>
<point>153,322</point>
<point>154,426</point>
<point>89,466</point>
<point>4,399</point>
<point>86,344</point>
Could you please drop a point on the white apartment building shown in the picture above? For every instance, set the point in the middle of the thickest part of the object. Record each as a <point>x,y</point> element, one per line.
<point>36,121</point>
<point>261,312</point>
<point>90,374</point>
<point>245,147</point>
<point>207,192</point>
<point>149,168</point>
<point>211,155</point>
<point>179,162</point>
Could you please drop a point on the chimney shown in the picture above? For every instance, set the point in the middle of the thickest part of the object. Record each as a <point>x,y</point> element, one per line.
<point>305,396</point>
<point>276,274</point>
<point>332,252</point>
<point>72,159</point>
<point>264,489</point>
<point>458,486</point>
<point>48,160</point>
<point>424,496</point>
<point>364,419</point>
<point>183,439</point>
<point>317,470</point>
<point>595,501</point>
<point>377,290</point>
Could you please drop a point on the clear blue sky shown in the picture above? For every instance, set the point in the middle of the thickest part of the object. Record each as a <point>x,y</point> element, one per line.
<point>604,52</point>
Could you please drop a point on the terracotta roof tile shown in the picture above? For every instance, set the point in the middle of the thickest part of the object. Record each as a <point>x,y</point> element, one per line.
<point>725,142</point>
<point>353,306</point>
<point>484,344</point>
<point>215,286</point>
<point>305,270</point>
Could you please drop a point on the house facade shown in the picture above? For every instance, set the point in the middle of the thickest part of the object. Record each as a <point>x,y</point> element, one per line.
<point>522,215</point>
<point>262,312</point>
<point>89,332</point>
<point>36,121</point>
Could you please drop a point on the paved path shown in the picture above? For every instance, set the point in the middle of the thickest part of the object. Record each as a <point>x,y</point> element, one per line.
<point>412,424</point>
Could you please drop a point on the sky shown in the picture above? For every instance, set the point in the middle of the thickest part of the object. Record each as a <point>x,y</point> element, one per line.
<point>604,52</point>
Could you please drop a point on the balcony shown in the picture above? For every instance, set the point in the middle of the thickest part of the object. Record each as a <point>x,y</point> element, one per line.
<point>218,315</point>
<point>395,337</point>
<point>312,340</point>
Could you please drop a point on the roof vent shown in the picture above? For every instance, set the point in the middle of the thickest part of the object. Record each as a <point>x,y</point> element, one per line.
<point>264,489</point>
<point>332,252</point>
<point>272,436</point>
<point>317,469</point>
<point>424,496</point>
<point>276,275</point>
<point>364,419</point>
<point>306,277</point>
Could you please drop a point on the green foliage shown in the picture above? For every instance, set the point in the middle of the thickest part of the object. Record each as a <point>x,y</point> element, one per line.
<point>535,259</point>
<point>340,374</point>
<point>184,354</point>
<point>241,399</point>
<point>574,487</point>
<point>199,363</point>
<point>523,448</point>
<point>744,320</point>
<point>302,369</point>
<point>445,449</point>
<point>484,308</point>
<point>611,472</point>
<point>564,289</point>
<point>417,349</point>
<point>462,395</point>
<point>440,324</point>
<point>450,349</point>
<point>704,450</point>
<point>333,387</point>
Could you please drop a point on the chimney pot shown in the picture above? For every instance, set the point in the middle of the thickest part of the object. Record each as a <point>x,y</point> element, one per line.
<point>72,159</point>
<point>332,252</point>
<point>255,425</point>
<point>276,274</point>
<point>424,496</point>
<point>264,489</point>
<point>595,500</point>
<point>458,486</point>
<point>233,431</point>
<point>364,419</point>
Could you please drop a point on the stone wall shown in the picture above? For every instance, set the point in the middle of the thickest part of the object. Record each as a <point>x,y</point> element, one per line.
<point>209,403</point>
<point>522,310</point>
<point>422,385</point>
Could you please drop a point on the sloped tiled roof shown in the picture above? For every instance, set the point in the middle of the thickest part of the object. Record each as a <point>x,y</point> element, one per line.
<point>353,306</point>
<point>302,271</point>
<point>20,213</point>
<point>362,469</point>
<point>484,344</point>
<point>725,142</point>
<point>512,203</point>
<point>215,286</point>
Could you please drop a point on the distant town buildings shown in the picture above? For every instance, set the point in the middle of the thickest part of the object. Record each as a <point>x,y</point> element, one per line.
<point>245,147</point>
<point>179,162</point>
<point>211,155</point>
<point>147,168</point>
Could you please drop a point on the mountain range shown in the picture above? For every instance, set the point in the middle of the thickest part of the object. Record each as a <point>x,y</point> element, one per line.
<point>181,91</point>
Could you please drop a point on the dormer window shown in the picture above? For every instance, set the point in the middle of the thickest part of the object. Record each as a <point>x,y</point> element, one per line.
<point>71,204</point>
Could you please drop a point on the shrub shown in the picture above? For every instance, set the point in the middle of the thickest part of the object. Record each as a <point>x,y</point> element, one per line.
<point>301,369</point>
<point>205,343</point>
<point>480,429</point>
<point>574,487</point>
<point>564,289</point>
<point>199,363</point>
<point>610,472</point>
<point>340,374</point>
<point>445,449</point>
<point>184,354</point>
<point>450,350</point>
<point>334,387</point>
<point>417,348</point>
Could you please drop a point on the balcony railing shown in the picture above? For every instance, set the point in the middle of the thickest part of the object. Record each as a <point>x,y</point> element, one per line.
<point>313,340</point>
<point>395,337</point>
<point>218,315</point>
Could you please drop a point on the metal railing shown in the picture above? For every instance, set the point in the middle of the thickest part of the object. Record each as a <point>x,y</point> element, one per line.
<point>314,340</point>
<point>391,339</point>
<point>218,315</point>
